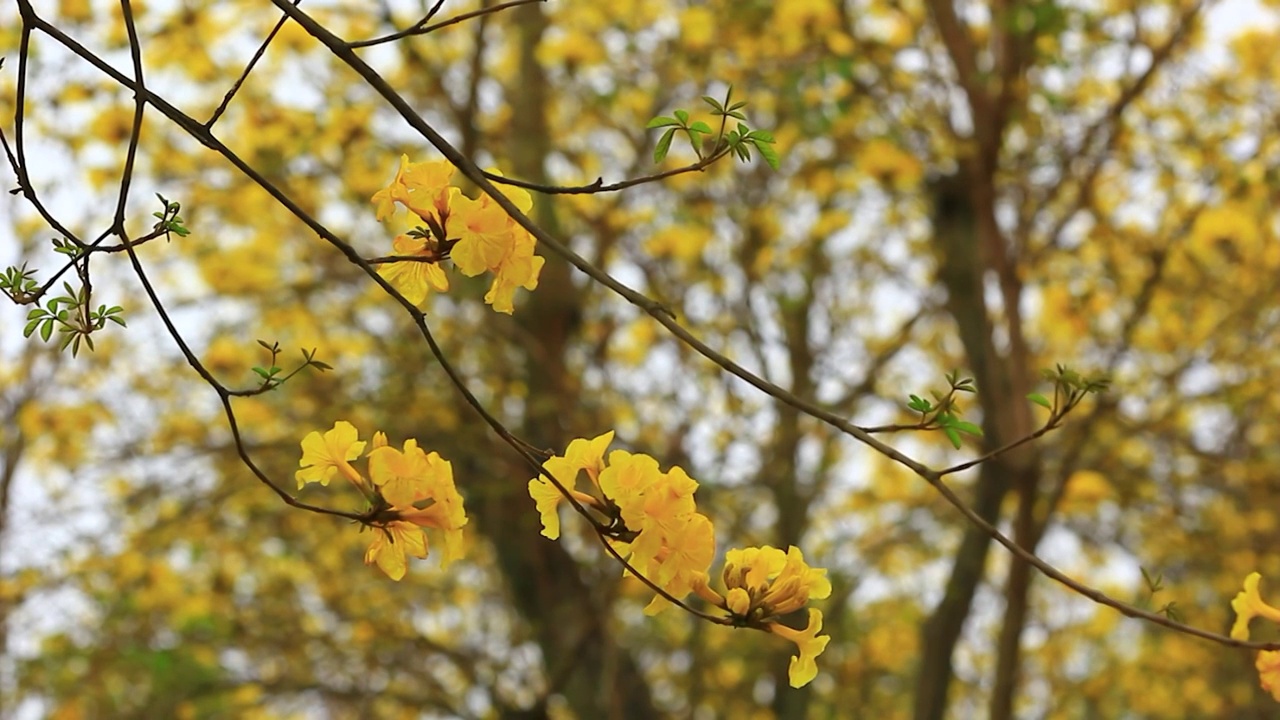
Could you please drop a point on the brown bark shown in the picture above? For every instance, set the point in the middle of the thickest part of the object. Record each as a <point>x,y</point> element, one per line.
<point>969,244</point>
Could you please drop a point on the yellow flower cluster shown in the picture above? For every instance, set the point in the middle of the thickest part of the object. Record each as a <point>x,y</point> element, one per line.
<point>652,518</point>
<point>656,520</point>
<point>477,235</point>
<point>1248,604</point>
<point>411,489</point>
<point>765,583</point>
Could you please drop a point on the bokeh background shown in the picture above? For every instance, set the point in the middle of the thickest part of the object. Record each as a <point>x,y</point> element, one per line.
<point>994,188</point>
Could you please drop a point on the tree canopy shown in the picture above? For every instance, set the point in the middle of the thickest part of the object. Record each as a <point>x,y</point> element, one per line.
<point>786,359</point>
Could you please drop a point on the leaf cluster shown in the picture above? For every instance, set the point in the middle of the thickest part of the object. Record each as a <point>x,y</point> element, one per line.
<point>738,140</point>
<point>943,412</point>
<point>73,318</point>
<point>271,374</point>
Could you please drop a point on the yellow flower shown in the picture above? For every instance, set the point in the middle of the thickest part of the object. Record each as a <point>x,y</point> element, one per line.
<point>426,188</point>
<point>391,545</point>
<point>414,279</point>
<point>625,480</point>
<point>420,489</point>
<point>663,510</point>
<point>520,268</point>
<point>581,455</point>
<point>1248,604</point>
<point>401,477</point>
<point>484,236</point>
<point>385,199</point>
<point>547,497</point>
<point>769,583</point>
<point>421,187</point>
<point>330,454</point>
<point>683,559</point>
<point>804,666</point>
<point>588,455</point>
<point>1268,664</point>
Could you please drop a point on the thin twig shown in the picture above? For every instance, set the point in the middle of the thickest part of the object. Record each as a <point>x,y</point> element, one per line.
<point>235,87</point>
<point>422,28</point>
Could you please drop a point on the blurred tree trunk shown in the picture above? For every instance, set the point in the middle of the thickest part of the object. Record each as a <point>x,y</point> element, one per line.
<point>569,618</point>
<point>781,470</point>
<point>969,246</point>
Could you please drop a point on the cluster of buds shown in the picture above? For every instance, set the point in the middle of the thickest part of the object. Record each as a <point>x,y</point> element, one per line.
<point>762,585</point>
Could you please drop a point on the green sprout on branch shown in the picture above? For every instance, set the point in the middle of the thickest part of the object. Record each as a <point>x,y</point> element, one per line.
<point>72,317</point>
<point>943,412</point>
<point>738,140</point>
<point>271,375</point>
<point>1154,584</point>
<point>18,284</point>
<point>168,221</point>
<point>1069,388</point>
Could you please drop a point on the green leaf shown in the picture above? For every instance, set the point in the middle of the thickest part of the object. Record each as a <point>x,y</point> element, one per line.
<point>770,155</point>
<point>701,127</point>
<point>1040,400</point>
<point>262,372</point>
<point>661,121</point>
<point>682,116</point>
<point>46,330</point>
<point>715,104</point>
<point>117,320</point>
<point>761,135</point>
<point>967,427</point>
<point>664,145</point>
<point>953,436</point>
<point>321,366</point>
<point>1153,583</point>
<point>30,328</point>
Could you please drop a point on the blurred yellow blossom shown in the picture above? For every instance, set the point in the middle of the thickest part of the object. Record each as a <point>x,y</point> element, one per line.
<point>1268,664</point>
<point>1248,604</point>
